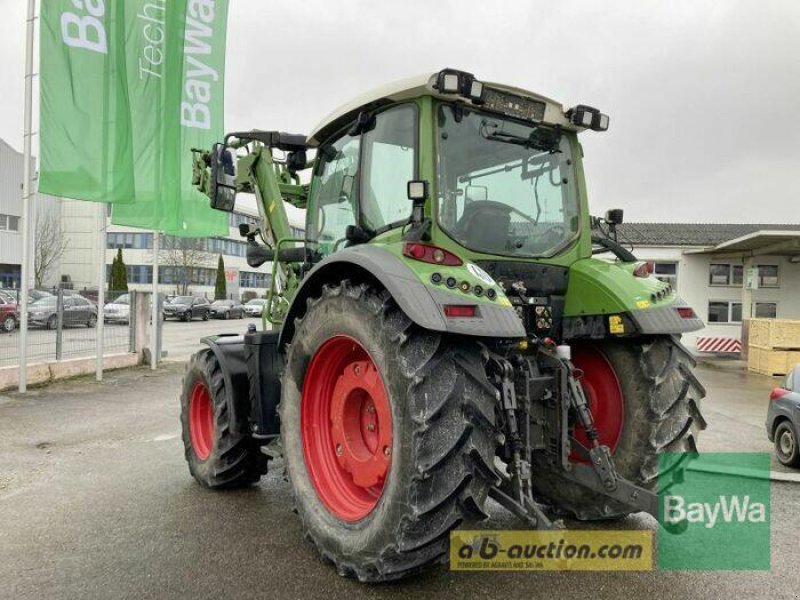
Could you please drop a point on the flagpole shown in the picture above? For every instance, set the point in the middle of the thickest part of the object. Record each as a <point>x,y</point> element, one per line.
<point>155,347</point>
<point>101,288</point>
<point>26,196</point>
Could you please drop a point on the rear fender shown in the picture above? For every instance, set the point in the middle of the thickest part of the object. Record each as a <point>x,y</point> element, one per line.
<point>423,304</point>
<point>229,351</point>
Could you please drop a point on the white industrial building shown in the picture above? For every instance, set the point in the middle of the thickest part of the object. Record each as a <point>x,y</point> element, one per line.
<point>11,177</point>
<point>76,265</point>
<point>184,263</point>
<point>709,264</point>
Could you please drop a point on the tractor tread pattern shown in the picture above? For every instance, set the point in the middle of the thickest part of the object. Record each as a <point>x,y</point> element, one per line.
<point>453,436</point>
<point>236,460</point>
<point>669,420</point>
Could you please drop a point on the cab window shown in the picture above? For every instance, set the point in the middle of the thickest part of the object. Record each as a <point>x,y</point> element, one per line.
<point>334,197</point>
<point>389,162</point>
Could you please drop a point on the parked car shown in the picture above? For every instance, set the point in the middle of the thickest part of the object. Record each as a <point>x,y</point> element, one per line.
<point>77,311</point>
<point>186,308</point>
<point>9,315</point>
<point>118,310</point>
<point>255,307</point>
<point>226,309</point>
<point>783,419</point>
<point>34,295</point>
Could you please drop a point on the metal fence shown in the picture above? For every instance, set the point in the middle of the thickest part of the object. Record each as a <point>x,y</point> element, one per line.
<point>63,325</point>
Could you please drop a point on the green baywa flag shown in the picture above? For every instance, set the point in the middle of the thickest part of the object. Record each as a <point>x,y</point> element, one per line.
<point>168,58</point>
<point>85,130</point>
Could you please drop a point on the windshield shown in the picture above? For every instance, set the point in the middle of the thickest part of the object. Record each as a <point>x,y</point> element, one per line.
<point>181,300</point>
<point>121,300</point>
<point>222,303</point>
<point>504,187</point>
<point>45,301</point>
<point>256,301</point>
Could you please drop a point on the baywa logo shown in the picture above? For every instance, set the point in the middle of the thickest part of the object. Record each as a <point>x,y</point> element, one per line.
<point>729,509</point>
<point>714,511</point>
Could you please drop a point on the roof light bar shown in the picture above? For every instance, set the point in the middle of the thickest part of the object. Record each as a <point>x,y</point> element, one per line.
<point>588,118</point>
<point>452,81</point>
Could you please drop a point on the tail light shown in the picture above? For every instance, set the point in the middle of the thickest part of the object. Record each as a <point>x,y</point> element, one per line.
<point>431,254</point>
<point>643,269</point>
<point>778,393</point>
<point>459,310</point>
<point>686,312</point>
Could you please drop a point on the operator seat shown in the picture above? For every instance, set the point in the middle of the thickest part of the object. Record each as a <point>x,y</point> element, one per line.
<point>486,225</point>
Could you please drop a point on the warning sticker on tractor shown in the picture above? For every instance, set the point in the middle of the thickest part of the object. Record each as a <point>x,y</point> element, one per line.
<point>561,550</point>
<point>615,324</point>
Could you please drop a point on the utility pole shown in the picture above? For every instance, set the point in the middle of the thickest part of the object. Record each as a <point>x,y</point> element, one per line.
<point>26,200</point>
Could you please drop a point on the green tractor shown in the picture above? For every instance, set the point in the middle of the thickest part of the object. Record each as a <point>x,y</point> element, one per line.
<point>442,334</point>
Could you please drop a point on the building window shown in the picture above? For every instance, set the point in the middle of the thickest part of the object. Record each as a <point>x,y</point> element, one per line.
<point>9,223</point>
<point>252,279</point>
<point>723,274</point>
<point>724,312</point>
<point>666,272</point>
<point>767,276</point>
<point>765,310</point>
<point>138,241</point>
<point>237,219</point>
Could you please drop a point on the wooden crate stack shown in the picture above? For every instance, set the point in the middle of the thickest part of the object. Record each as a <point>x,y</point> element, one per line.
<point>774,346</point>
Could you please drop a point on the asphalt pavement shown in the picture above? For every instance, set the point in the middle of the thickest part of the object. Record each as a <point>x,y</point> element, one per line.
<point>96,502</point>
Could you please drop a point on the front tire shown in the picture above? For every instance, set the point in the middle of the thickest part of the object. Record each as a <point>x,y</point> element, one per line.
<point>429,455</point>
<point>786,449</point>
<point>217,458</point>
<point>9,324</point>
<point>659,412</point>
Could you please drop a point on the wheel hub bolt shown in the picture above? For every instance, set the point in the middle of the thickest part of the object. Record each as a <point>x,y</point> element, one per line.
<point>339,449</point>
<point>370,426</point>
<point>387,451</point>
<point>357,369</point>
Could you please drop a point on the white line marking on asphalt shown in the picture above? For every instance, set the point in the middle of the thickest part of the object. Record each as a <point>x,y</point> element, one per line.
<point>748,473</point>
<point>165,437</point>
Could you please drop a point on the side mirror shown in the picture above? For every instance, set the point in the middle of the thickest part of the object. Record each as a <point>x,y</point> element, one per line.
<point>222,189</point>
<point>614,216</point>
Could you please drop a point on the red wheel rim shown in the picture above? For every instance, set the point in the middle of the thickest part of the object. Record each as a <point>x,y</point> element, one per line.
<point>604,394</point>
<point>346,426</point>
<point>201,421</point>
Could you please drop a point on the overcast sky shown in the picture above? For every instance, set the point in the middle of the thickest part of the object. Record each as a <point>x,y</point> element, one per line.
<point>703,95</point>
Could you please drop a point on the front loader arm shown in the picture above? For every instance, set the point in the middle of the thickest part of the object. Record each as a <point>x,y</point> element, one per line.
<point>273,182</point>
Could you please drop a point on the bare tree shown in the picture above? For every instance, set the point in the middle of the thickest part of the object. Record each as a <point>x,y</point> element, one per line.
<point>49,247</point>
<point>185,256</point>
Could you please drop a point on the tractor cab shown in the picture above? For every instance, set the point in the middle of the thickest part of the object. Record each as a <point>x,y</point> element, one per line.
<point>495,167</point>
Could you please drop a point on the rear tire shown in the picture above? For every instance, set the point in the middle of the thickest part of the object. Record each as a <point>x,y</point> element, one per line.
<point>661,413</point>
<point>441,409</point>
<point>52,322</point>
<point>217,458</point>
<point>9,324</point>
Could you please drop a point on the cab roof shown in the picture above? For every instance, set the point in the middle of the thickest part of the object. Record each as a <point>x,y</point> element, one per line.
<point>422,85</point>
